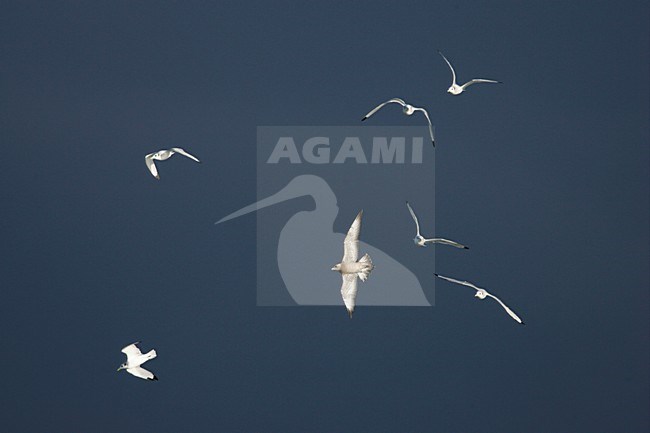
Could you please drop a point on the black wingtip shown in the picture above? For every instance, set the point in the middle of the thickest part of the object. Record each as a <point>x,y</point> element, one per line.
<point>436,274</point>
<point>364,119</point>
<point>154,378</point>
<point>522,323</point>
<point>467,248</point>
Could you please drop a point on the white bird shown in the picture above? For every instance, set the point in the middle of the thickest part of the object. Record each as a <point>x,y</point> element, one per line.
<point>162,155</point>
<point>455,89</point>
<point>482,294</point>
<point>420,241</point>
<point>350,268</point>
<point>408,110</point>
<point>134,359</point>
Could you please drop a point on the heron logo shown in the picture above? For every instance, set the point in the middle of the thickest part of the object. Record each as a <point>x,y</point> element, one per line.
<point>318,150</point>
<point>311,183</point>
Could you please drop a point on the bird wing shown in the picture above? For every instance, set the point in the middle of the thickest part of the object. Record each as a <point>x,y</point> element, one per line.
<point>142,373</point>
<point>464,283</point>
<point>351,242</point>
<point>131,351</point>
<point>378,107</point>
<point>445,242</point>
<point>415,218</point>
<point>433,141</point>
<point>453,73</point>
<point>151,165</point>
<point>184,153</point>
<point>478,80</point>
<point>505,307</point>
<point>349,291</point>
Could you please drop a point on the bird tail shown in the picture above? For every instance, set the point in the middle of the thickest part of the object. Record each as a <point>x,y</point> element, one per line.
<point>367,267</point>
<point>152,354</point>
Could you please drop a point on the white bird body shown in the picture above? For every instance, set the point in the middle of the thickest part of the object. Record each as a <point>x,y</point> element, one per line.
<point>482,294</point>
<point>134,359</point>
<point>163,155</point>
<point>455,89</point>
<point>354,268</point>
<point>407,109</point>
<point>421,241</point>
<point>351,267</point>
<point>308,238</point>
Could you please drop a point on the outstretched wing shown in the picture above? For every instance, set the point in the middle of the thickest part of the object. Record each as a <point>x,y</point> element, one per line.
<point>479,80</point>
<point>184,153</point>
<point>142,373</point>
<point>445,242</point>
<point>131,351</point>
<point>464,283</point>
<point>151,165</point>
<point>378,107</point>
<point>453,73</point>
<point>505,307</point>
<point>351,242</point>
<point>349,291</point>
<point>433,141</point>
<point>415,218</point>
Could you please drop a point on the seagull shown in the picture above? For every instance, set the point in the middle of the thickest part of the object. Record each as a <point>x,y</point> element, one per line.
<point>350,268</point>
<point>408,110</point>
<point>455,89</point>
<point>162,155</point>
<point>482,294</point>
<point>134,359</point>
<point>422,242</point>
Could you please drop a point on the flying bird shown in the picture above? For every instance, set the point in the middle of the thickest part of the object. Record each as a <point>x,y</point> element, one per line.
<point>351,268</point>
<point>308,238</point>
<point>162,155</point>
<point>134,359</point>
<point>408,110</point>
<point>420,241</point>
<point>482,294</point>
<point>455,89</point>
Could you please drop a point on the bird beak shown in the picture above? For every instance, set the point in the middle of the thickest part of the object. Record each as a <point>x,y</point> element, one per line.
<point>299,186</point>
<point>284,194</point>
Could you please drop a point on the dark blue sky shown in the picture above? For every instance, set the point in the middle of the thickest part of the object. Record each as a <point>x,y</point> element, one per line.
<point>546,177</point>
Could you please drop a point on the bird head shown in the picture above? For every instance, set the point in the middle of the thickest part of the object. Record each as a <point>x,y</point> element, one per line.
<point>337,267</point>
<point>302,185</point>
<point>122,367</point>
<point>480,294</point>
